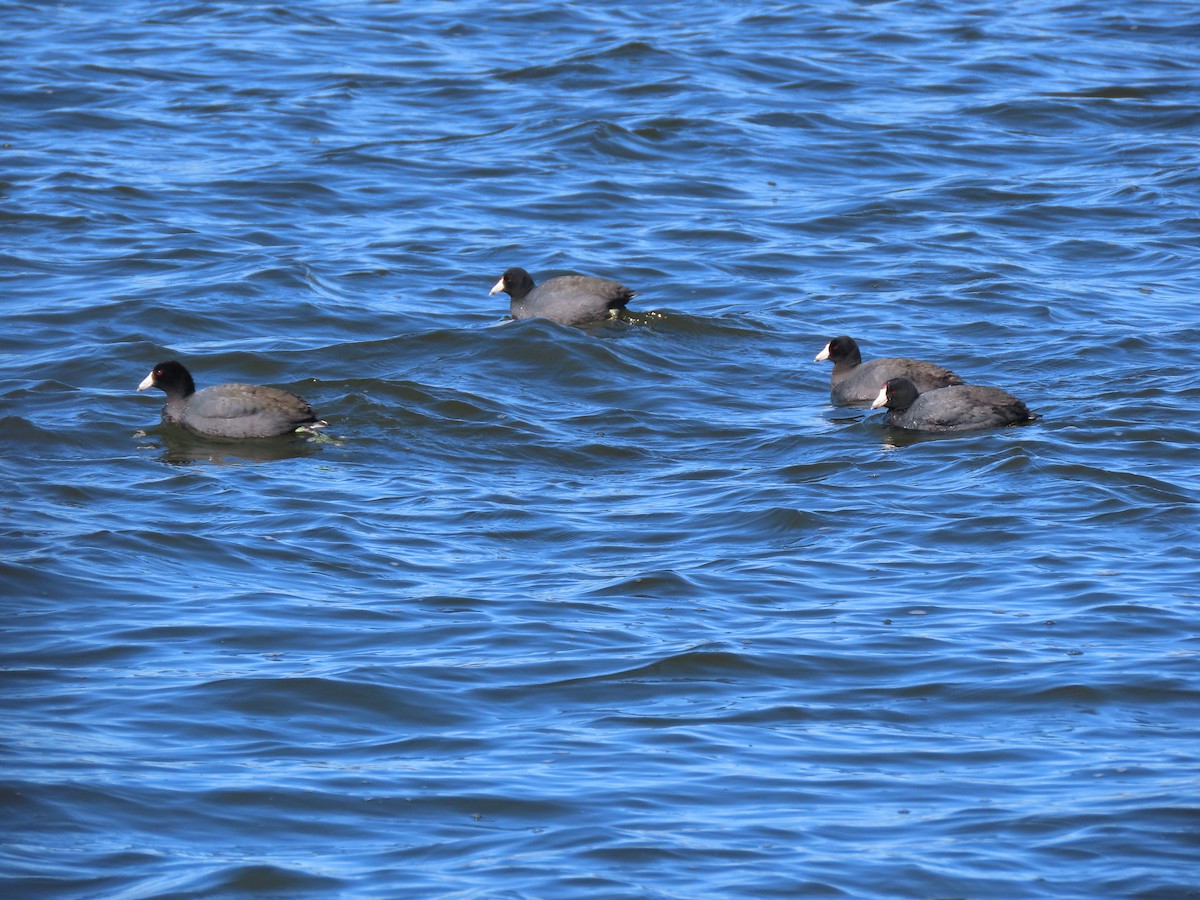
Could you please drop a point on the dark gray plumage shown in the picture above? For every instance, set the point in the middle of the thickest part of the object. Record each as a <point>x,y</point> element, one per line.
<point>228,410</point>
<point>854,380</point>
<point>960,407</point>
<point>567,299</point>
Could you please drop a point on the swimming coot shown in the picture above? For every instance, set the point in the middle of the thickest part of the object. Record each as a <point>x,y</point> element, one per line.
<point>567,299</point>
<point>960,407</point>
<point>228,410</point>
<point>854,380</point>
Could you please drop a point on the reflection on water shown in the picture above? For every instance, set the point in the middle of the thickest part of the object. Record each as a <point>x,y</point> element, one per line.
<point>182,447</point>
<point>894,438</point>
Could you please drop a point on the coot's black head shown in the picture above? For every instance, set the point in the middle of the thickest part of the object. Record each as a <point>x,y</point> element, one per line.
<point>897,394</point>
<point>515,282</point>
<point>171,378</point>
<point>840,349</point>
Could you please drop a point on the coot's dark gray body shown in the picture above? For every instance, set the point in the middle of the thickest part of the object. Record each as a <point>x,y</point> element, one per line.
<point>228,410</point>
<point>567,299</point>
<point>960,407</point>
<point>854,380</point>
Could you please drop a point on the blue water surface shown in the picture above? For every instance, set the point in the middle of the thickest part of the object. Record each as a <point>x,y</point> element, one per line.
<point>628,610</point>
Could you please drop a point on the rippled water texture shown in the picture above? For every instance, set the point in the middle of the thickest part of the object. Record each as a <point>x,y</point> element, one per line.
<point>622,611</point>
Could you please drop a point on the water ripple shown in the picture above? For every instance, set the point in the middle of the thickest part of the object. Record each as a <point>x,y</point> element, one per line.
<point>627,610</point>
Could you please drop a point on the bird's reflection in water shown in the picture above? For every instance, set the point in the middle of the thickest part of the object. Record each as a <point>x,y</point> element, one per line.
<point>181,447</point>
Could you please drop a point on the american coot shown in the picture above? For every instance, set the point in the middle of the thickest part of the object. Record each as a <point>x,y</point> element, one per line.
<point>854,380</point>
<point>567,299</point>
<point>960,407</point>
<point>229,410</point>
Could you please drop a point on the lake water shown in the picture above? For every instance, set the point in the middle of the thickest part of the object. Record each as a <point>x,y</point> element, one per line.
<point>622,611</point>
